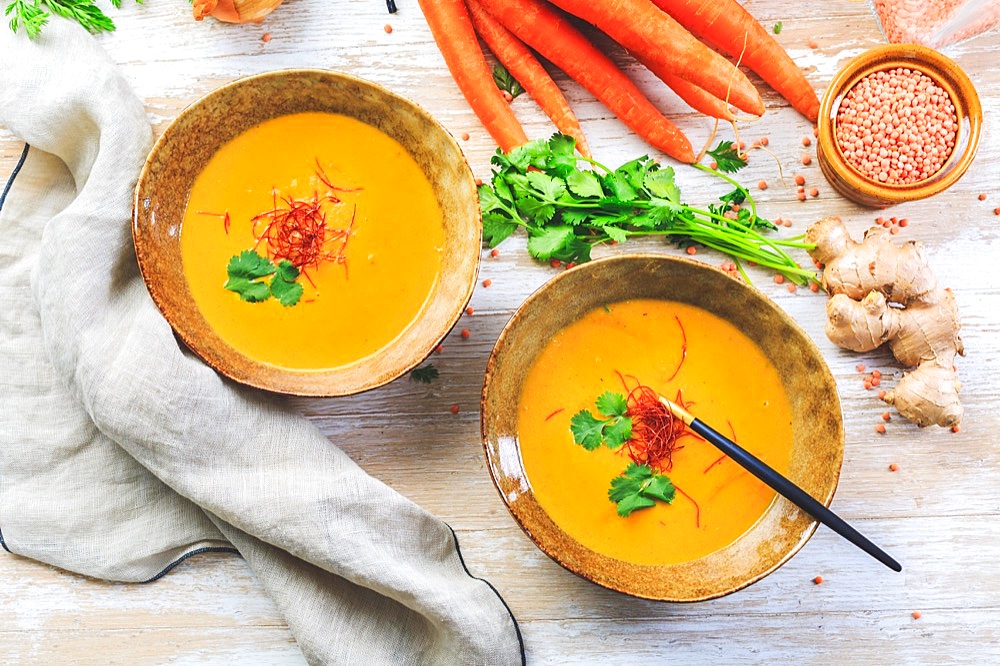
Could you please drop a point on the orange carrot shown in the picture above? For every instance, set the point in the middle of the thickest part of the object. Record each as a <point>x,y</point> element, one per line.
<point>650,33</point>
<point>692,95</point>
<point>552,36</point>
<point>728,26</point>
<point>524,66</point>
<point>451,26</point>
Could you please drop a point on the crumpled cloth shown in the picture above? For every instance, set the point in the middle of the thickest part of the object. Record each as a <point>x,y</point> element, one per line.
<point>121,453</point>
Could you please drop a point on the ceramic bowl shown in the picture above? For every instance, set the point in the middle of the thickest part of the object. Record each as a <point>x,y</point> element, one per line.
<point>817,424</point>
<point>201,129</point>
<point>948,75</point>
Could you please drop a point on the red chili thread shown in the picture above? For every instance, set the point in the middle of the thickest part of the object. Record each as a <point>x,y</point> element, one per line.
<point>697,508</point>
<point>561,409</point>
<point>296,230</point>
<point>224,216</point>
<point>684,349</point>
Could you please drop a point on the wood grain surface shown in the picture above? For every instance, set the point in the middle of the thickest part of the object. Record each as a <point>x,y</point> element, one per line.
<point>939,514</point>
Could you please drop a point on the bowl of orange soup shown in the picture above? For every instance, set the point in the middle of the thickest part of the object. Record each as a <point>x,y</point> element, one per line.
<point>645,507</point>
<point>308,232</point>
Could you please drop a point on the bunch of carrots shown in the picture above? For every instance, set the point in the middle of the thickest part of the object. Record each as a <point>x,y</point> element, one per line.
<point>665,36</point>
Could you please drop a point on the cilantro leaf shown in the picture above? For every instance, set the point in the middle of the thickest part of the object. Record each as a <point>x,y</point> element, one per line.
<point>613,430</point>
<point>638,487</point>
<point>777,28</point>
<point>550,242</point>
<point>728,157</point>
<point>496,228</point>
<point>588,430</point>
<point>506,82</point>
<point>425,374</point>
<point>584,184</point>
<point>284,286</point>
<point>661,184</point>
<point>562,155</point>
<point>612,404</point>
<point>245,271</point>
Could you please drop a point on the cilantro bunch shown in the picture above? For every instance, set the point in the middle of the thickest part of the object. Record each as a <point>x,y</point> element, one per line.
<point>32,15</point>
<point>567,210</point>
<point>638,487</point>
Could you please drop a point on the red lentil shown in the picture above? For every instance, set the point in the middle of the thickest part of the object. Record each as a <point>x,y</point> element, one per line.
<point>818,580</point>
<point>266,37</point>
<point>881,395</point>
<point>801,196</point>
<point>814,192</point>
<point>893,467</point>
<point>806,141</point>
<point>860,367</point>
<point>388,28</point>
<point>896,126</point>
<point>791,287</point>
<point>894,230</point>
<point>779,279</point>
<point>812,43</point>
<point>814,287</point>
<point>465,136</point>
<point>904,222</point>
<point>494,253</point>
<point>454,409</point>
<point>762,185</point>
<point>982,197</point>
<point>439,349</point>
<point>788,223</point>
<point>508,97</point>
<point>555,263</point>
<point>806,160</point>
<point>956,428</point>
<point>764,141</point>
<point>800,179</point>
<point>469,310</point>
<point>915,615</point>
<point>487,282</point>
<point>886,416</point>
<point>466,333</point>
<point>880,428</point>
<point>691,249</point>
<point>996,211</point>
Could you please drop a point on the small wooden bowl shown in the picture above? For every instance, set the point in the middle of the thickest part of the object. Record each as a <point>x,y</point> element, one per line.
<point>948,75</point>
<point>201,129</point>
<point>818,433</point>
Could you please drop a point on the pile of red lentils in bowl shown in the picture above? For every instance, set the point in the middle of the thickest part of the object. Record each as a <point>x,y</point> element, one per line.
<point>896,126</point>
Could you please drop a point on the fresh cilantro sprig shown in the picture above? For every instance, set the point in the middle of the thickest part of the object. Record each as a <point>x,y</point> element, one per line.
<point>425,374</point>
<point>506,82</point>
<point>248,273</point>
<point>32,15</point>
<point>613,430</point>
<point>567,210</point>
<point>639,487</point>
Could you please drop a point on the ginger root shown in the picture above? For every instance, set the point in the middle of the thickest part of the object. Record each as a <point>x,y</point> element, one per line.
<point>881,293</point>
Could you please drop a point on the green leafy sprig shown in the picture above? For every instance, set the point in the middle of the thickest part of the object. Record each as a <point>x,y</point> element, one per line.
<point>506,82</point>
<point>638,487</point>
<point>248,273</point>
<point>566,210</point>
<point>32,15</point>
<point>425,374</point>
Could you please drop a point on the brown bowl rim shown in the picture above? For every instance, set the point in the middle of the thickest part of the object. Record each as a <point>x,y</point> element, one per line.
<point>249,371</point>
<point>807,525</point>
<point>948,75</point>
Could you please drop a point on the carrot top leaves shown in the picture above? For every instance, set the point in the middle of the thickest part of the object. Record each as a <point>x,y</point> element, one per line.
<point>566,210</point>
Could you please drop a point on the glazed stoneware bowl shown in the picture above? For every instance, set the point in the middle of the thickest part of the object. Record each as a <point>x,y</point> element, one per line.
<point>200,130</point>
<point>817,427</point>
<point>947,75</point>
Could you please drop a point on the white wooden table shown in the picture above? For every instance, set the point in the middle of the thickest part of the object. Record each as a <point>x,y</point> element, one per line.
<point>939,514</point>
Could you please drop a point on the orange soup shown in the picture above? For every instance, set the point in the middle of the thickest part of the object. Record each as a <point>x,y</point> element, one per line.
<point>724,378</point>
<point>321,183</point>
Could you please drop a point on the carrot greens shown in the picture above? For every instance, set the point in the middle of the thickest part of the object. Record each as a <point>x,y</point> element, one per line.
<point>32,15</point>
<point>567,210</point>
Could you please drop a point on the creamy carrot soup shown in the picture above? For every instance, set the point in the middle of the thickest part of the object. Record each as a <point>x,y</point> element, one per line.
<point>724,378</point>
<point>373,226</point>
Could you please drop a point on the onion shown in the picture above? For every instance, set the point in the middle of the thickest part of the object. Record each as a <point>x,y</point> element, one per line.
<point>235,11</point>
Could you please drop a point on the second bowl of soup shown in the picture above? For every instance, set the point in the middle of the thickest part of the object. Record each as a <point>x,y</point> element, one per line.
<point>609,488</point>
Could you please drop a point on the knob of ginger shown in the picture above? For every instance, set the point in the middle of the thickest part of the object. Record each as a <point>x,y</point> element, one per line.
<point>883,292</point>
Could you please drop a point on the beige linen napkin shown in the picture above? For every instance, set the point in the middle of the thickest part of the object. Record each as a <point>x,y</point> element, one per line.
<point>121,453</point>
